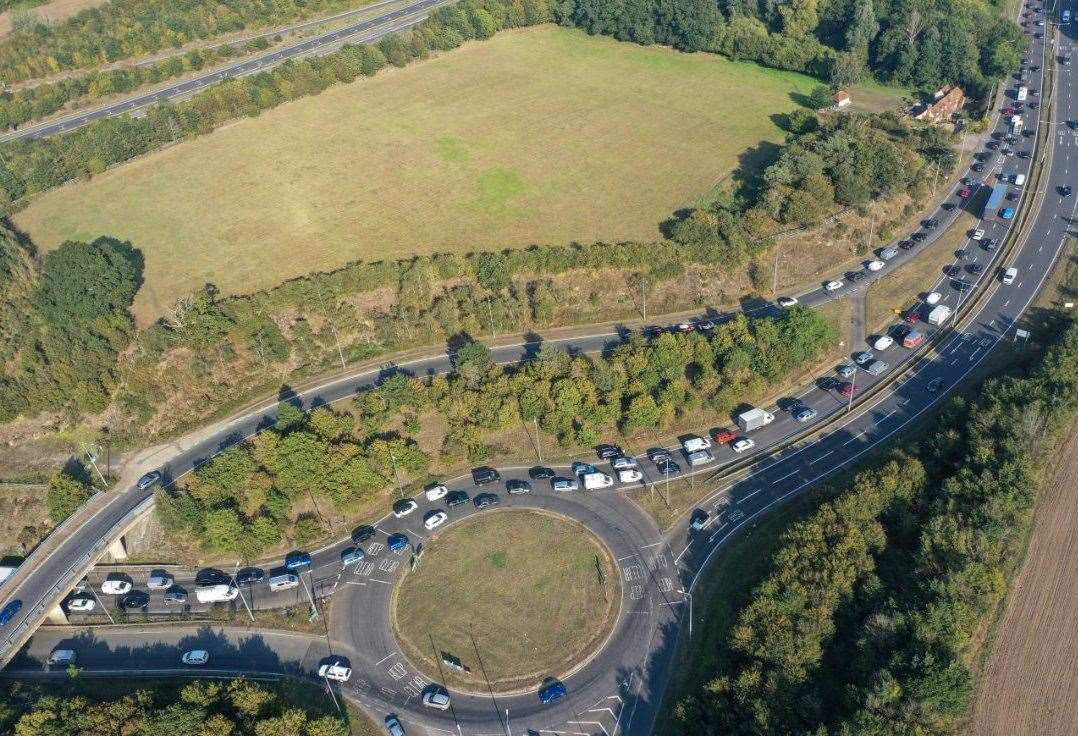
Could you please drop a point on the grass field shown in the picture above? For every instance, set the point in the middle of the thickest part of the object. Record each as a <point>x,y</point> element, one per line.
<point>525,584</point>
<point>544,135</point>
<point>53,11</point>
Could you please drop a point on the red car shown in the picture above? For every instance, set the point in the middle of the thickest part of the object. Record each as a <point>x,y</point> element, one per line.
<point>846,389</point>
<point>965,193</point>
<point>912,316</point>
<point>724,436</point>
<point>1008,110</point>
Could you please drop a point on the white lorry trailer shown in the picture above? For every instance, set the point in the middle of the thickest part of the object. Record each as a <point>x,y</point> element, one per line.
<point>754,419</point>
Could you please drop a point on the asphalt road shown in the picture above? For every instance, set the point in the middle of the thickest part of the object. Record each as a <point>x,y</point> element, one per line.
<point>368,30</point>
<point>621,687</point>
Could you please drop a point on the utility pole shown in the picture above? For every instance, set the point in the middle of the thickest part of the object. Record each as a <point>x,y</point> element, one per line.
<point>240,591</point>
<point>315,615</point>
<point>853,390</point>
<point>92,452</point>
<point>688,595</point>
<point>396,475</point>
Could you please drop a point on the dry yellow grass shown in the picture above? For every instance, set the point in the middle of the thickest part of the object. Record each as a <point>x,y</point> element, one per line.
<point>539,136</point>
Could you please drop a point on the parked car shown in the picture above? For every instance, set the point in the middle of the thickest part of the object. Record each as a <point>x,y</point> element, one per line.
<point>655,454</point>
<point>337,671</point>
<point>394,726</point>
<point>516,486</point>
<point>149,480</point>
<point>81,604</point>
<point>564,485</point>
<point>580,468</point>
<point>136,599</point>
<point>883,342</point>
<point>363,533</point>
<point>743,445</point>
<point>249,576</point>
<point>212,576</point>
<point>486,500</point>
<point>195,657</point>
<point>116,586</point>
<point>456,498</point>
<point>9,611</point>
<point>623,463</point>
<point>403,507</point>
<point>699,520</point>
<point>846,389</point>
<point>863,358</point>
<point>805,414</point>
<point>551,692</point>
<point>888,253</point>
<point>833,286</point>
<point>62,657</point>
<point>668,467</point>
<point>607,452</point>
<point>283,581</point>
<point>160,580</point>
<point>875,265</point>
<point>436,697</point>
<point>397,542</point>
<point>434,519</point>
<point>724,436</point>
<point>933,297</point>
<point>846,371</point>
<point>435,493</point>
<point>540,472</point>
<point>297,560</point>
<point>351,556</point>
<point>977,234</point>
<point>175,597</point>
<point>485,475</point>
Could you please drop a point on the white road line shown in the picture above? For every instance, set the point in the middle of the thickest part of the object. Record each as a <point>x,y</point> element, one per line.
<point>821,457</point>
<point>779,480</point>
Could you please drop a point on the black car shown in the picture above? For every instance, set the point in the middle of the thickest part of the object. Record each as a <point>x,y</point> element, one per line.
<point>541,472</point>
<point>907,245</point>
<point>655,454</point>
<point>918,236</point>
<point>362,533</point>
<point>212,576</point>
<point>978,167</point>
<point>608,452</point>
<point>959,285</point>
<point>516,486</point>
<point>668,467</point>
<point>856,275</point>
<point>1012,196</point>
<point>250,576</point>
<point>456,498</point>
<point>136,599</point>
<point>974,268</point>
<point>948,206</point>
<point>1065,190</point>
<point>485,500</point>
<point>484,475</point>
<point>989,245</point>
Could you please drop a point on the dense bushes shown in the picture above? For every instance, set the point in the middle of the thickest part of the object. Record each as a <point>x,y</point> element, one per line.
<point>199,708</point>
<point>910,43</point>
<point>69,320</point>
<point>68,490</point>
<point>245,498</point>
<point>876,606</point>
<point>29,167</point>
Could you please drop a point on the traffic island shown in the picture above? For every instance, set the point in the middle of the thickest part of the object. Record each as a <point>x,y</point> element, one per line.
<point>506,599</point>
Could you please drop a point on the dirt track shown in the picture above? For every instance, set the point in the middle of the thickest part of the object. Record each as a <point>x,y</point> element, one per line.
<point>1030,682</point>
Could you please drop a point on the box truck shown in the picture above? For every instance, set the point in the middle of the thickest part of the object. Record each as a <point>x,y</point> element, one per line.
<point>595,481</point>
<point>939,315</point>
<point>754,419</point>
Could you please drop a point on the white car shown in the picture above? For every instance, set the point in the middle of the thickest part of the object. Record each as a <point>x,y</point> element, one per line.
<point>1010,275</point>
<point>62,657</point>
<point>81,604</point>
<point>335,671</point>
<point>435,519</point>
<point>115,587</point>
<point>436,492</point>
<point>438,699</point>
<point>883,342</point>
<point>743,444</point>
<point>405,507</point>
<point>630,475</point>
<point>933,298</point>
<point>833,285</point>
<point>195,657</point>
<point>160,581</point>
<point>623,463</point>
<point>978,234</point>
<point>874,265</point>
<point>888,253</point>
<point>787,301</point>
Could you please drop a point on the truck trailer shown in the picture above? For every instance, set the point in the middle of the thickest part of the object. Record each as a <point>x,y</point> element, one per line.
<point>754,419</point>
<point>995,199</point>
<point>939,315</point>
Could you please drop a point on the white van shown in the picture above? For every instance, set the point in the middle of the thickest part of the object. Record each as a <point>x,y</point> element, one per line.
<point>216,593</point>
<point>695,444</point>
<point>700,457</point>
<point>1019,179</point>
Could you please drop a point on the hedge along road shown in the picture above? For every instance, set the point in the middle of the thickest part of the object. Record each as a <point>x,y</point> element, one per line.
<point>622,686</point>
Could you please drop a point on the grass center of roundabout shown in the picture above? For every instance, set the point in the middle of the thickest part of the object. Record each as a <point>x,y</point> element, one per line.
<point>537,592</point>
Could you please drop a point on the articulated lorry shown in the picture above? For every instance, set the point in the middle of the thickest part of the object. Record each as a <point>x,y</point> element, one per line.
<point>995,199</point>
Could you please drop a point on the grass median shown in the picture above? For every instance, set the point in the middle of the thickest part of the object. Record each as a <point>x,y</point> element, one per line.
<point>534,593</point>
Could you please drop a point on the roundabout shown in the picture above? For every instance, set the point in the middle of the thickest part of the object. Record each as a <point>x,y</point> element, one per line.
<point>505,599</point>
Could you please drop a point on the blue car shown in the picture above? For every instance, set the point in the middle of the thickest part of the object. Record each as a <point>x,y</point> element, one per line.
<point>551,693</point>
<point>351,556</point>
<point>1007,213</point>
<point>397,542</point>
<point>9,611</point>
<point>297,560</point>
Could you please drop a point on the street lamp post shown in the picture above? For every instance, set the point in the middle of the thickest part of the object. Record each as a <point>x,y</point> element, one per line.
<point>688,595</point>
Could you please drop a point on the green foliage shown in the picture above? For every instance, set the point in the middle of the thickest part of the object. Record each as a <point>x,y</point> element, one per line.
<point>884,593</point>
<point>199,708</point>
<point>68,490</point>
<point>819,97</point>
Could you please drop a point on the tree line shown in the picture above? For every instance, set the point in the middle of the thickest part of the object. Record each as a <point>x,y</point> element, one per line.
<point>246,499</point>
<point>918,44</point>
<point>30,167</point>
<point>875,608</point>
<point>198,708</point>
<point>33,103</point>
<point>121,29</point>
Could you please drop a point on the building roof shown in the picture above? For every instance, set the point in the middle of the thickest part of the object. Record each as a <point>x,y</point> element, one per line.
<point>841,96</point>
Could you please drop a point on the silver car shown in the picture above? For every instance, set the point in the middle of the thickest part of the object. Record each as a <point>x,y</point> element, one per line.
<point>160,580</point>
